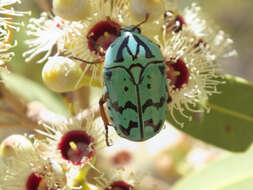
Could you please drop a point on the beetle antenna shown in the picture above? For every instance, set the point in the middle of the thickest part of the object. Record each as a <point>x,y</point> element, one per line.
<point>98,61</point>
<point>145,20</point>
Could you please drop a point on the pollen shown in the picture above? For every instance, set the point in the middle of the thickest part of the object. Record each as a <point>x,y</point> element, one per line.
<point>73,145</point>
<point>178,74</point>
<point>175,73</point>
<point>107,35</point>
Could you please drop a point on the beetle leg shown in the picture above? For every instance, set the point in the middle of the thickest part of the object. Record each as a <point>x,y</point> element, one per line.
<point>103,115</point>
<point>169,97</point>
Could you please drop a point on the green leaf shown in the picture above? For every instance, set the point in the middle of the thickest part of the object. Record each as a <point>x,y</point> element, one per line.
<point>233,172</point>
<point>33,91</point>
<point>229,124</point>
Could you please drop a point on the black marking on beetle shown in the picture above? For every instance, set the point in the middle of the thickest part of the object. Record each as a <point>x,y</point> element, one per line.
<point>149,77</point>
<point>150,63</point>
<point>139,111</point>
<point>124,44</point>
<point>137,51</point>
<point>126,131</point>
<point>148,52</point>
<point>148,86</point>
<point>149,103</point>
<point>150,123</point>
<point>139,107</point>
<point>120,109</point>
<point>119,56</point>
<point>134,65</point>
<point>162,69</point>
<point>126,88</point>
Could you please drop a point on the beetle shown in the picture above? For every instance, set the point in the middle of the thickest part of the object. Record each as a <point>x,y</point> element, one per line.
<point>135,89</point>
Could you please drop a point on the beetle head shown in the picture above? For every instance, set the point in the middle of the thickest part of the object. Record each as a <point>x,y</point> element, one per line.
<point>132,29</point>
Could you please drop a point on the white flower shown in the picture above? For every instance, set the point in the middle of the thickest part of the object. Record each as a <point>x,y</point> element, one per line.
<point>192,76</point>
<point>28,170</point>
<point>86,40</point>
<point>7,11</point>
<point>6,24</point>
<point>99,31</point>
<point>5,55</point>
<point>120,179</point>
<point>194,21</point>
<point>50,35</point>
<point>73,143</point>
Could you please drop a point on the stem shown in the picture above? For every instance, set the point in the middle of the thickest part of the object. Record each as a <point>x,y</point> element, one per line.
<point>82,98</point>
<point>13,100</point>
<point>45,5</point>
<point>7,112</point>
<point>29,115</point>
<point>94,111</point>
<point>8,124</point>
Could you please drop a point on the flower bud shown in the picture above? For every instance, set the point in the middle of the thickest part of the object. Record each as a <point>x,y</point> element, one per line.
<point>139,9</point>
<point>15,145</point>
<point>71,9</point>
<point>61,74</point>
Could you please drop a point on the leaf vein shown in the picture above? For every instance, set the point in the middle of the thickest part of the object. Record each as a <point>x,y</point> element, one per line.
<point>229,112</point>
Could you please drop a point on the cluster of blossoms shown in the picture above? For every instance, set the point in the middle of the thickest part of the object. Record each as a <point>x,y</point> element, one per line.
<point>61,160</point>
<point>191,48</point>
<point>78,33</point>
<point>6,26</point>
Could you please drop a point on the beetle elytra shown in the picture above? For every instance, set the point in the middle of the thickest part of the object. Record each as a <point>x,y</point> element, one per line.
<point>135,86</point>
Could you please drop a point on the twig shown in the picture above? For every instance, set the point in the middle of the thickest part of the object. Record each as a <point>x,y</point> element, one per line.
<point>14,101</point>
<point>94,111</point>
<point>45,5</point>
<point>7,112</point>
<point>9,124</point>
<point>82,97</point>
<point>30,115</point>
<point>17,108</point>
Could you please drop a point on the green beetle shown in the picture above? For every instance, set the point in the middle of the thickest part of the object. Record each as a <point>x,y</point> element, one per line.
<point>135,86</point>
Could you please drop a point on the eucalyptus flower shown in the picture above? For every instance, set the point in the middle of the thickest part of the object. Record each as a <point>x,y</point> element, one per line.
<point>7,12</point>
<point>121,179</point>
<point>192,76</point>
<point>23,168</point>
<point>5,46</point>
<point>50,35</point>
<point>190,43</point>
<point>193,21</point>
<point>72,142</point>
<point>100,29</point>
